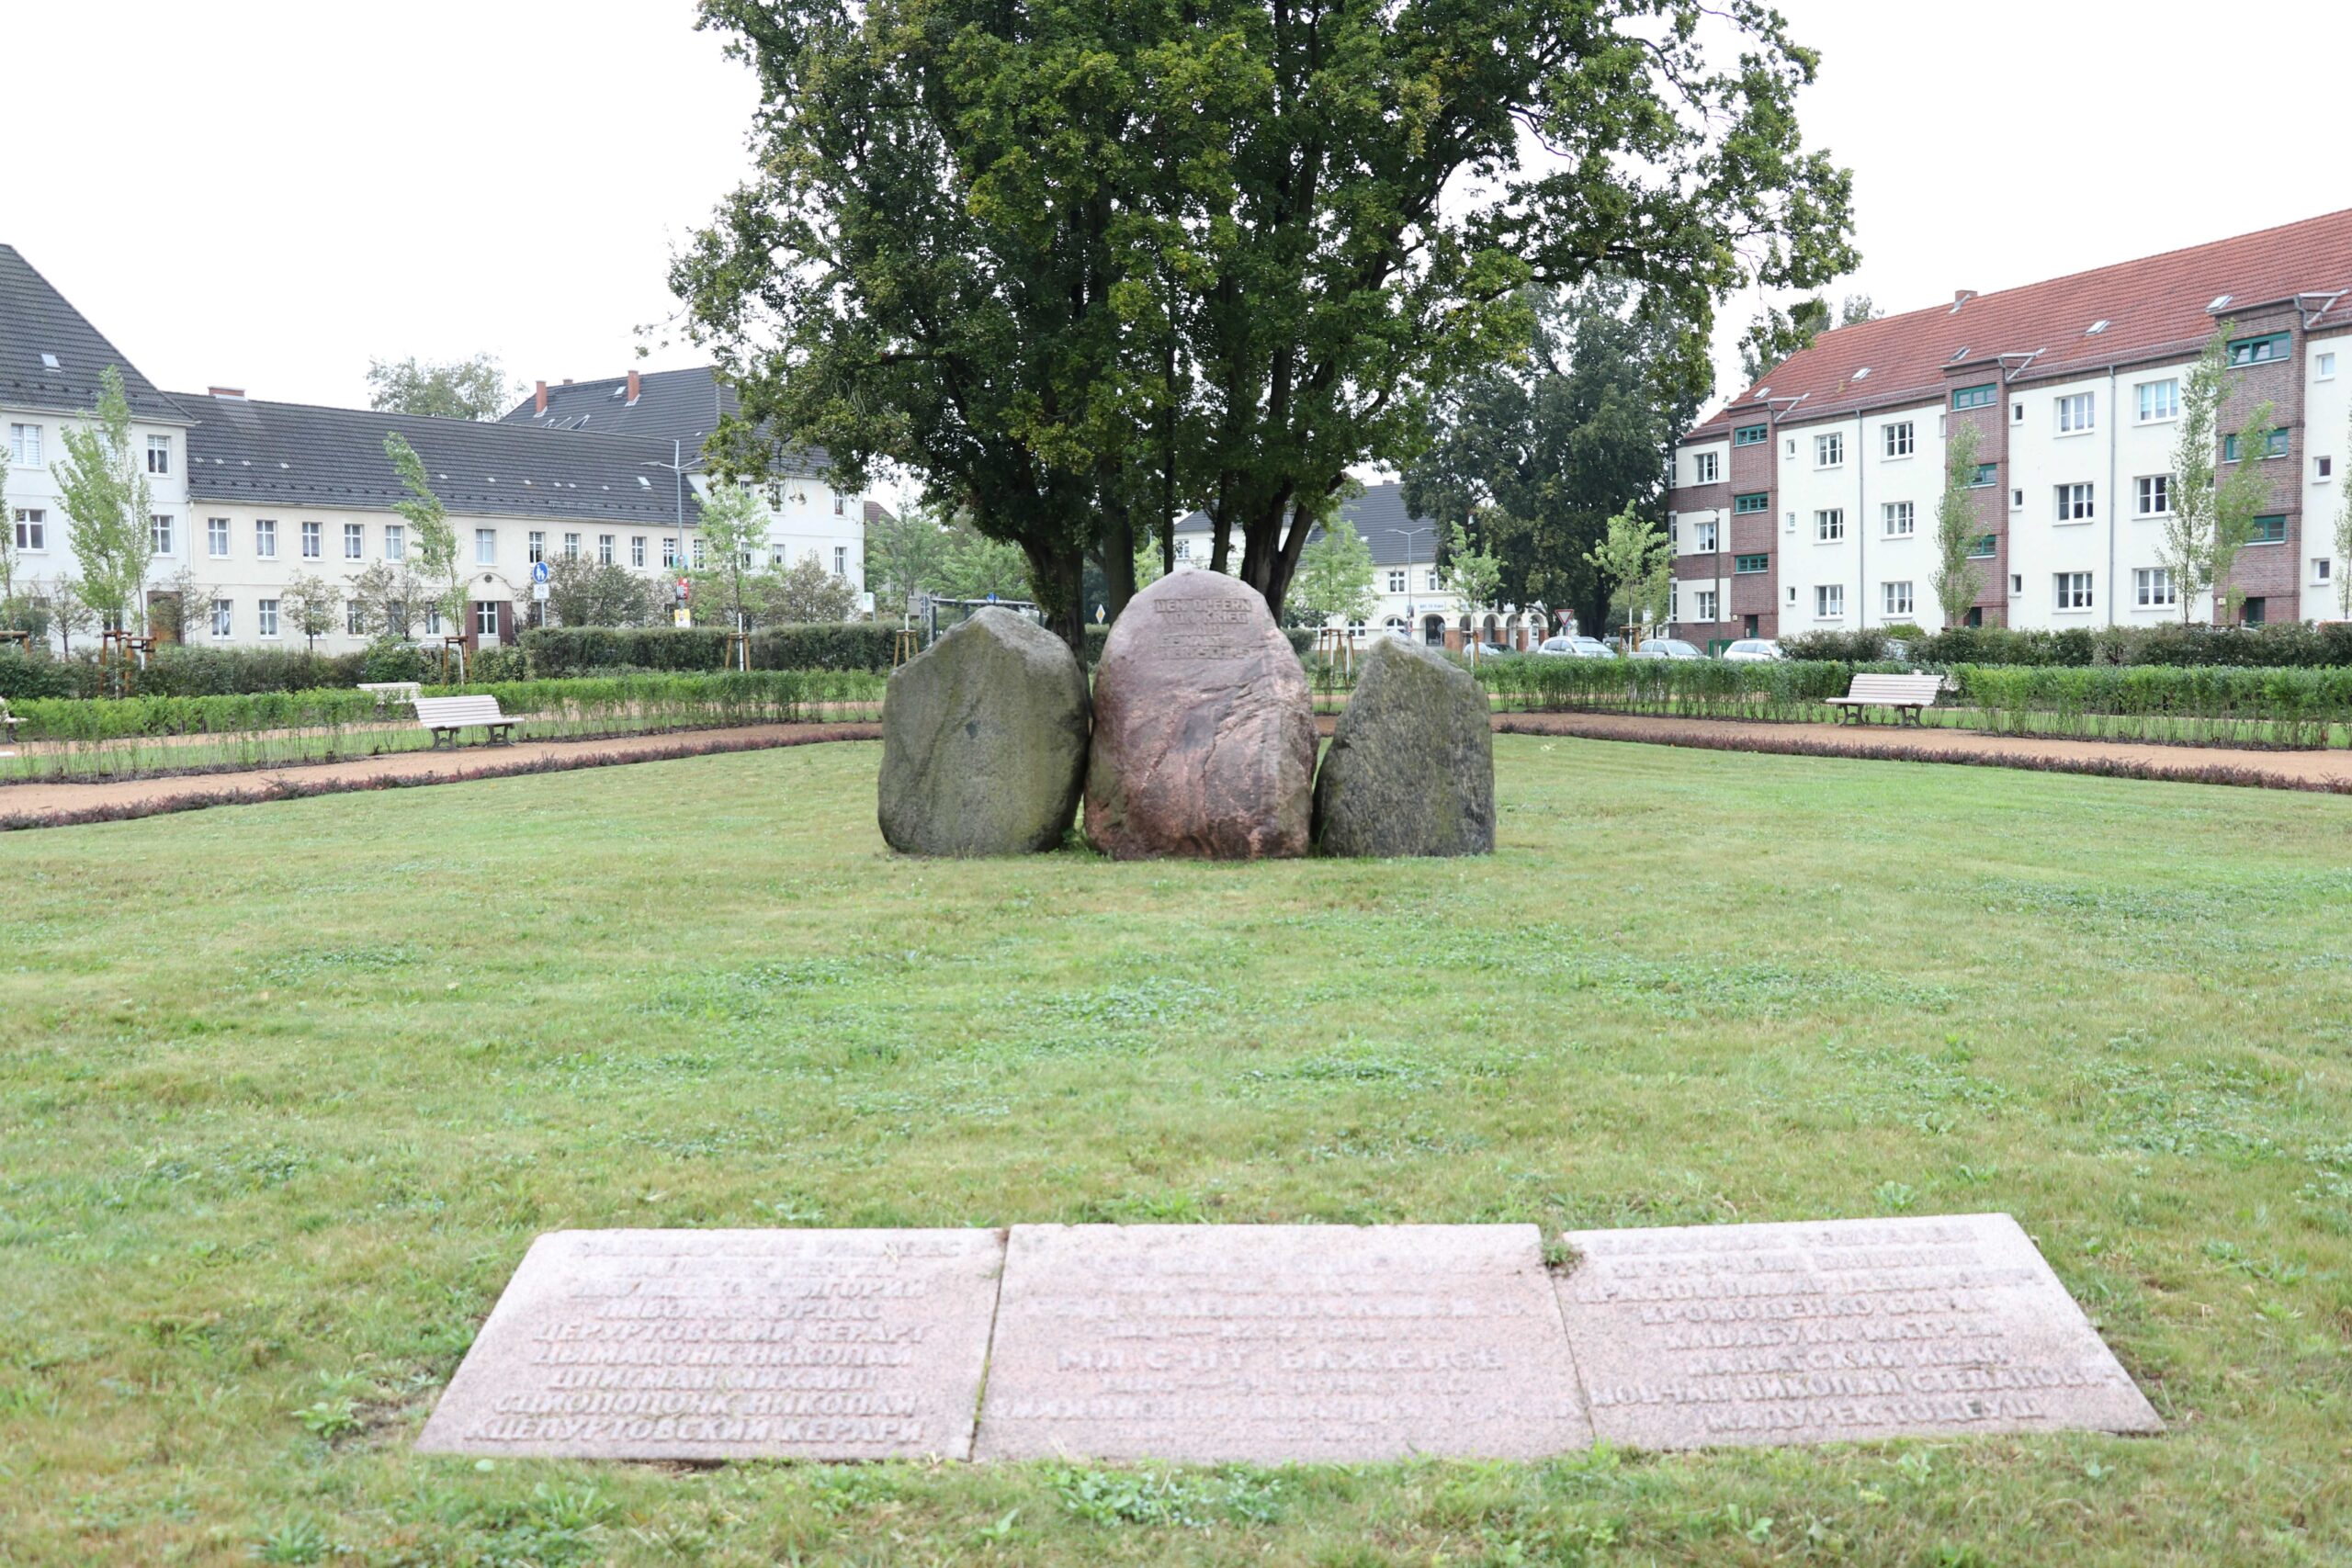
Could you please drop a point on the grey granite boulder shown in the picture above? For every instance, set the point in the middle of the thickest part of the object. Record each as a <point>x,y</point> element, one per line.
<point>1411,766</point>
<point>984,739</point>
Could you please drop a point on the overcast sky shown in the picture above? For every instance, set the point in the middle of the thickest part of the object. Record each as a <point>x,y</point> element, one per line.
<point>266,193</point>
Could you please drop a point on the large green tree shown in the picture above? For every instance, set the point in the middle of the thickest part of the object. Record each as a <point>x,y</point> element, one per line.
<point>455,389</point>
<point>1774,334</point>
<point>1081,265</point>
<point>1544,449</point>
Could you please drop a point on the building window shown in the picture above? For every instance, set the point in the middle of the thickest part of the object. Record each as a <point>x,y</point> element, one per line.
<point>216,537</point>
<point>2158,400</point>
<point>266,538</point>
<point>2267,531</point>
<point>32,528</point>
<point>2259,350</point>
<point>571,547</point>
<point>1396,583</point>
<point>841,506</point>
<point>637,549</point>
<point>2322,572</point>
<point>603,550</point>
<point>2275,446</point>
<point>1982,397</point>
<point>314,541</point>
<point>2076,503</point>
<point>351,611</point>
<point>2257,612</point>
<point>840,560</point>
<point>2154,495</point>
<point>1829,601</point>
<point>395,542</point>
<point>355,541</point>
<point>224,617</point>
<point>265,613</point>
<point>1702,538</point>
<point>1895,598</point>
<point>485,618</point>
<point>1984,547</point>
<point>2323,470</point>
<point>1829,525</point>
<point>24,446</point>
<point>2325,369</point>
<point>159,454</point>
<point>2152,588</point>
<point>697,555</point>
<point>2077,411</point>
<point>2073,590</point>
<point>1829,451</point>
<point>1986,474</point>
<point>1704,468</point>
<point>670,550</point>
<point>433,620</point>
<point>1898,439</point>
<point>1706,603</point>
<point>485,546</point>
<point>160,529</point>
<point>1746,566</point>
<point>1751,435</point>
<point>1744,505</point>
<point>1900,518</point>
<point>535,546</point>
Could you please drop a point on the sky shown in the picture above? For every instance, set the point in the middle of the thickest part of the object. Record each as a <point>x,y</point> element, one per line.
<point>265,194</point>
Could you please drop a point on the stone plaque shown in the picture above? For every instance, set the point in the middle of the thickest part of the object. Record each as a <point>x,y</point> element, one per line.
<point>1842,1329</point>
<point>1278,1343</point>
<point>704,1345</point>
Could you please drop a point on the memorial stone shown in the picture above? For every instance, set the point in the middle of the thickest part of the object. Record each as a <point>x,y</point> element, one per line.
<point>984,737</point>
<point>708,1344</point>
<point>1204,728</point>
<point>1277,1344</point>
<point>1411,766</point>
<point>1847,1329</point>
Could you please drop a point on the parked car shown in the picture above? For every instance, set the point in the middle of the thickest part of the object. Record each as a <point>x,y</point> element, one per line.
<point>1575,647</point>
<point>1667,648</point>
<point>1487,650</point>
<point>1754,650</point>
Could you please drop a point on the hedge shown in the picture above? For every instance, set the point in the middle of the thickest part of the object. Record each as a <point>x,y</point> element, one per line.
<point>558,651</point>
<point>180,671</point>
<point>1684,687</point>
<point>2285,645</point>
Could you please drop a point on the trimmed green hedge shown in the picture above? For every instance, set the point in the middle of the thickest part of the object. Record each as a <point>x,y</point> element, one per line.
<point>1689,687</point>
<point>2281,707</point>
<point>558,651</point>
<point>2285,645</point>
<point>180,671</point>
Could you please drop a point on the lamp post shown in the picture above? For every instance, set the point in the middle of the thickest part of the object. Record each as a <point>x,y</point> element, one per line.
<point>1412,619</point>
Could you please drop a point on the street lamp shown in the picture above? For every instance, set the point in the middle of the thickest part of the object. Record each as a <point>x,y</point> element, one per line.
<point>1412,619</point>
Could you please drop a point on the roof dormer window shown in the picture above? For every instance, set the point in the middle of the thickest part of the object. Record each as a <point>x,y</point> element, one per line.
<point>2097,327</point>
<point>48,362</point>
<point>1863,374</point>
<point>2221,302</point>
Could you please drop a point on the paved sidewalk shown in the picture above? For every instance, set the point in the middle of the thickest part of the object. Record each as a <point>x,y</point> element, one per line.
<point>2328,769</point>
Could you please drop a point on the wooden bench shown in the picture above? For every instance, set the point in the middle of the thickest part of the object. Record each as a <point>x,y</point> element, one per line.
<point>392,690</point>
<point>1907,694</point>
<point>9,722</point>
<point>447,715</point>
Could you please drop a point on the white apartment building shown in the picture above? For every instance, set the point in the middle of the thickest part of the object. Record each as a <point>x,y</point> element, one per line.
<point>1808,501</point>
<point>250,495</point>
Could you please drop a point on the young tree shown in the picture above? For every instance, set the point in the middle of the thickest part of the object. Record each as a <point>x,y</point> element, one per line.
<point>583,592</point>
<point>2212,513</point>
<point>806,594</point>
<point>183,604</point>
<point>1635,560</point>
<point>1077,264</point>
<point>904,553</point>
<point>735,544</point>
<point>384,591</point>
<point>110,508</point>
<point>311,606</point>
<point>456,389</point>
<point>2341,566</point>
<point>1958,579</point>
<point>69,612</point>
<point>976,566</point>
<point>1472,576</point>
<point>437,540</point>
<point>1335,575</point>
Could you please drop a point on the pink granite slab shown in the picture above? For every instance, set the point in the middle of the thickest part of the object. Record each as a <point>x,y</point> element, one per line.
<point>1808,1333</point>
<point>705,1345</point>
<point>1276,1344</point>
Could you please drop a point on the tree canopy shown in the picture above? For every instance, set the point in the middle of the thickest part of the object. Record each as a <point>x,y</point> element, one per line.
<point>1082,266</point>
<point>455,388</point>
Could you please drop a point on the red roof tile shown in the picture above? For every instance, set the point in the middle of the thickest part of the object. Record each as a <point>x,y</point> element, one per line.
<point>2152,305</point>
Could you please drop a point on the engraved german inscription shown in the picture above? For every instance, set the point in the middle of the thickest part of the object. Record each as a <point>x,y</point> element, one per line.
<point>1843,1329</point>
<point>719,1344</point>
<point>1209,1343</point>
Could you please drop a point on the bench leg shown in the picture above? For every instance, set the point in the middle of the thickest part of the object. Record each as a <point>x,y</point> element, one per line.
<point>444,737</point>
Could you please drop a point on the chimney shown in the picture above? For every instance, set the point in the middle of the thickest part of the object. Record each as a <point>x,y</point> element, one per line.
<point>539,399</point>
<point>635,387</point>
<point>237,392</point>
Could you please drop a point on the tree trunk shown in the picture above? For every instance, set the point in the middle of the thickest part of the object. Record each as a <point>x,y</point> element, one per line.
<point>1118,557</point>
<point>1058,577</point>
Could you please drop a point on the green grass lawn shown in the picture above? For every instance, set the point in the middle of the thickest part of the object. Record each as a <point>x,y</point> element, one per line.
<point>285,1091</point>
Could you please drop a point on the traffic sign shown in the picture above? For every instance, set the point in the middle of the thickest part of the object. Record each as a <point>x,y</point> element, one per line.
<point>538,571</point>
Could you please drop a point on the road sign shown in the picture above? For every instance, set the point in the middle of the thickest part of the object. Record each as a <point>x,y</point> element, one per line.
<point>539,592</point>
<point>992,598</point>
<point>680,617</point>
<point>540,571</point>
<point>685,590</point>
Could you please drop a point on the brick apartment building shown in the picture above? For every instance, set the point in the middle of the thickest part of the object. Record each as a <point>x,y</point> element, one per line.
<point>1807,503</point>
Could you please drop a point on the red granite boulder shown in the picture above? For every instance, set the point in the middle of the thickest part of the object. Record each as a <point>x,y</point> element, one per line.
<point>1204,728</point>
